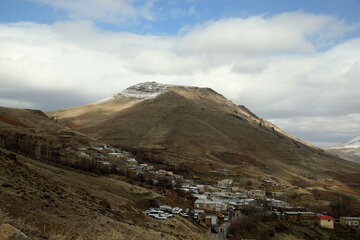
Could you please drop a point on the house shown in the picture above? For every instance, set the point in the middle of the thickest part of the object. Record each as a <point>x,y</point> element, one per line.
<point>307,217</point>
<point>275,203</point>
<point>241,204</point>
<point>200,196</point>
<point>269,182</point>
<point>164,172</point>
<point>98,156</point>
<point>255,193</point>
<point>83,154</point>
<point>220,171</point>
<point>211,220</point>
<point>225,183</point>
<point>116,154</point>
<point>210,205</point>
<point>277,194</point>
<point>353,222</point>
<point>236,214</point>
<point>325,221</point>
<point>132,161</point>
<point>200,187</point>
<point>176,176</point>
<point>291,216</point>
<point>235,189</point>
<point>105,162</point>
<point>303,217</point>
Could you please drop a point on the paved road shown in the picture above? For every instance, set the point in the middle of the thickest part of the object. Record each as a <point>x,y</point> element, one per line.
<point>222,232</point>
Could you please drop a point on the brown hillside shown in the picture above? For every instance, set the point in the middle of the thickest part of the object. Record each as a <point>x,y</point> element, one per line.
<point>202,130</point>
<point>46,199</point>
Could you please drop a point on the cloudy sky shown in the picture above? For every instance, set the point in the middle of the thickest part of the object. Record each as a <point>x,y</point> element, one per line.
<point>295,63</point>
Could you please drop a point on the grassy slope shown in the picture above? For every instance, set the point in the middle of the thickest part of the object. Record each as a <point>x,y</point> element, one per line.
<point>201,127</point>
<point>75,205</point>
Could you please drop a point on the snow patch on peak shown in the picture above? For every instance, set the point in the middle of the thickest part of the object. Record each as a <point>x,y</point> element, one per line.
<point>144,90</point>
<point>353,143</point>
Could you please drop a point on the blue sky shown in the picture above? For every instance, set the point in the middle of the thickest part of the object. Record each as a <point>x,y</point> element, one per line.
<point>171,15</point>
<point>295,63</point>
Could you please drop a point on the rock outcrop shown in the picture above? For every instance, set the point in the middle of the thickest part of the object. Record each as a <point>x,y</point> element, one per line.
<point>9,232</point>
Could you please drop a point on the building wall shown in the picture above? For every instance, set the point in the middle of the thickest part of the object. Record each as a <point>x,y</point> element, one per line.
<point>343,222</point>
<point>326,223</point>
<point>349,222</point>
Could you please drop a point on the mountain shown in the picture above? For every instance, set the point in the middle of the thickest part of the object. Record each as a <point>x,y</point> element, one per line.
<point>349,150</point>
<point>48,193</point>
<point>198,130</point>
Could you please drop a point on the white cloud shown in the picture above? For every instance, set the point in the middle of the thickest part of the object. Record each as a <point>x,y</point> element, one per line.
<point>295,32</point>
<point>324,131</point>
<point>270,64</point>
<point>250,65</point>
<point>15,104</point>
<point>109,11</point>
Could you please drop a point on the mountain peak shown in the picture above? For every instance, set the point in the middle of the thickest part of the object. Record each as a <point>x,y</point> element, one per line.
<point>144,90</point>
<point>353,143</point>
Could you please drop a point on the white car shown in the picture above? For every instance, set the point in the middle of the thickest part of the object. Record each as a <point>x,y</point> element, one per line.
<point>160,217</point>
<point>155,213</point>
<point>168,215</point>
<point>184,214</point>
<point>176,210</point>
<point>166,208</point>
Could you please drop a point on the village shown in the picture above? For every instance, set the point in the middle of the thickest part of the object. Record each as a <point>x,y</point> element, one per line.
<point>216,206</point>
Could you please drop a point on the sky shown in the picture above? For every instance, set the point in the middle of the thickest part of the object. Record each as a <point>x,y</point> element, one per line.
<point>295,63</point>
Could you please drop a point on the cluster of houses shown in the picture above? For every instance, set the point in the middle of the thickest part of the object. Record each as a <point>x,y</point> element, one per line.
<point>224,199</point>
<point>103,154</point>
<point>110,157</point>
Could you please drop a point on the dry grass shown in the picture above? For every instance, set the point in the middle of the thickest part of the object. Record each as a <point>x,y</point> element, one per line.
<point>19,223</point>
<point>55,203</point>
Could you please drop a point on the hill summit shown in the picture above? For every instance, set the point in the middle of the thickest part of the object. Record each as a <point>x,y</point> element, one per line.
<point>143,90</point>
<point>199,130</point>
<point>349,150</point>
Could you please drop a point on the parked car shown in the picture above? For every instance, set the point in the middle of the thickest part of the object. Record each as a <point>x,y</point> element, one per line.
<point>155,213</point>
<point>166,208</point>
<point>168,215</point>
<point>160,217</point>
<point>176,210</point>
<point>184,214</point>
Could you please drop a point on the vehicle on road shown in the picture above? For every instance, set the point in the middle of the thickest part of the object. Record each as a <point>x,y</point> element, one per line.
<point>214,229</point>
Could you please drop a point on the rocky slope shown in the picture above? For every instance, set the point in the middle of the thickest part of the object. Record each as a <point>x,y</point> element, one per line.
<point>200,130</point>
<point>349,150</point>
